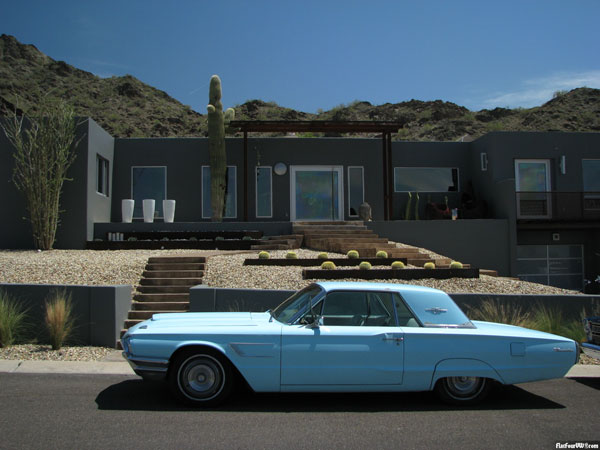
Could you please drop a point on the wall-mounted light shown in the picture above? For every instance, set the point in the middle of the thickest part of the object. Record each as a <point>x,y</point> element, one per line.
<point>484,162</point>
<point>280,168</point>
<point>563,164</point>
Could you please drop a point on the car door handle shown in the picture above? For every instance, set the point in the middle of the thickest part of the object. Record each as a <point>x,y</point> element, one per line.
<point>395,339</point>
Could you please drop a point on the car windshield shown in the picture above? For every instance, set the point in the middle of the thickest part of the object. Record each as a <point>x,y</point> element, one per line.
<point>299,302</point>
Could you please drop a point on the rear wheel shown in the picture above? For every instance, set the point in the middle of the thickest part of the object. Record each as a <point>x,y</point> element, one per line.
<point>201,378</point>
<point>462,390</point>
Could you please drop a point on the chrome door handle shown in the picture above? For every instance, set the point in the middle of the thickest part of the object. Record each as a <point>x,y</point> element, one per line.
<point>395,339</point>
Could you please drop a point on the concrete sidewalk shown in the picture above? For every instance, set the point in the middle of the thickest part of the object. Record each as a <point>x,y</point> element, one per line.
<point>112,366</point>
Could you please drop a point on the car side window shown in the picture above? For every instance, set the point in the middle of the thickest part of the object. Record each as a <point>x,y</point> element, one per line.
<point>405,317</point>
<point>351,308</point>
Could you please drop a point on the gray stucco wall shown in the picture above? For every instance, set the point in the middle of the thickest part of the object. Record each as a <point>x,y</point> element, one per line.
<point>482,243</point>
<point>99,311</point>
<point>100,143</point>
<point>185,157</point>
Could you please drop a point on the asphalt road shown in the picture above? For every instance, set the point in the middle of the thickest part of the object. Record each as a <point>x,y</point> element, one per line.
<point>103,411</point>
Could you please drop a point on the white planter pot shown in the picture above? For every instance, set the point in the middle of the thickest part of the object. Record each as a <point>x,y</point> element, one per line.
<point>148,206</point>
<point>127,210</point>
<point>169,210</point>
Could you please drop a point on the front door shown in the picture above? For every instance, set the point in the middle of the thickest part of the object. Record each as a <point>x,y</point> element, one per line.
<point>316,193</point>
<point>532,184</point>
<point>357,343</point>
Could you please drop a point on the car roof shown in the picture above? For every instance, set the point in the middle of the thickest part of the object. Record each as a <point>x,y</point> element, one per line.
<point>363,285</point>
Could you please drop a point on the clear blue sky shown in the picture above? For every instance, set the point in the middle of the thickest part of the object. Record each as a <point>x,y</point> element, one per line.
<point>307,54</point>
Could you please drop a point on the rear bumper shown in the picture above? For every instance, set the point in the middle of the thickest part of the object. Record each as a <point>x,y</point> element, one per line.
<point>155,369</point>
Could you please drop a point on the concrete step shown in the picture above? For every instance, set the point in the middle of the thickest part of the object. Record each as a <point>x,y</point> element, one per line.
<point>161,297</point>
<point>170,281</point>
<point>270,247</point>
<point>145,315</point>
<point>160,306</point>
<point>491,273</point>
<point>176,266</point>
<point>333,232</point>
<point>131,322</point>
<point>179,289</point>
<point>176,259</point>
<point>173,273</point>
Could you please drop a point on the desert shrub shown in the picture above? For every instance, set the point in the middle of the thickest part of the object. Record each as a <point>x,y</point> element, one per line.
<point>264,255</point>
<point>219,238</point>
<point>398,265</point>
<point>59,318</point>
<point>552,320</point>
<point>132,239</point>
<point>381,254</point>
<point>12,320</point>
<point>429,265</point>
<point>365,265</point>
<point>352,254</point>
<point>291,255</point>
<point>456,265</point>
<point>247,238</point>
<point>328,265</point>
<point>501,312</point>
<point>322,255</point>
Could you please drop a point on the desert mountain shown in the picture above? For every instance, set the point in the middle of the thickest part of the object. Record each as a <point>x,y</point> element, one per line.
<point>127,107</point>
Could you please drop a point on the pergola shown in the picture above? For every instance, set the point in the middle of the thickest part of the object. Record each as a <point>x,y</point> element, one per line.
<point>324,126</point>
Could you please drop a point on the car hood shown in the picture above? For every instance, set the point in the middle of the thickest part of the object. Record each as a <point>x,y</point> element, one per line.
<point>194,320</point>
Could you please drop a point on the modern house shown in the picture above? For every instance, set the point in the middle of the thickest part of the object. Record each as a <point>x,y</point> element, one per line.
<point>527,204</point>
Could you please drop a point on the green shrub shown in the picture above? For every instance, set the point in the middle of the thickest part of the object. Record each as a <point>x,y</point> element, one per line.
<point>59,318</point>
<point>456,265</point>
<point>381,254</point>
<point>12,320</point>
<point>352,254</point>
<point>247,238</point>
<point>365,265</point>
<point>132,239</point>
<point>510,313</point>
<point>328,265</point>
<point>429,265</point>
<point>291,255</point>
<point>219,238</point>
<point>322,255</point>
<point>551,320</point>
<point>264,255</point>
<point>398,265</point>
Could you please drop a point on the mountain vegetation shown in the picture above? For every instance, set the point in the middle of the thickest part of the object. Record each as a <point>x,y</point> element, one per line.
<point>127,107</point>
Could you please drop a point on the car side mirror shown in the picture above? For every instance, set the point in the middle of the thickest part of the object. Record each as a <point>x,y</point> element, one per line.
<point>315,323</point>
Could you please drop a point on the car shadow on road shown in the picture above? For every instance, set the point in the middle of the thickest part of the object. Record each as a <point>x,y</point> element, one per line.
<point>594,383</point>
<point>138,395</point>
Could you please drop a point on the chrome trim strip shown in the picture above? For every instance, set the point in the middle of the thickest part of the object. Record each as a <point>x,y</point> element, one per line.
<point>566,350</point>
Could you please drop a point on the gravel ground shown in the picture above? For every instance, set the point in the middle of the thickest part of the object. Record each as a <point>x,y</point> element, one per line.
<point>225,269</point>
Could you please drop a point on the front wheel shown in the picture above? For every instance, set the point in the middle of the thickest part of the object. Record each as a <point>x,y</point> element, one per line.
<point>201,378</point>
<point>462,390</point>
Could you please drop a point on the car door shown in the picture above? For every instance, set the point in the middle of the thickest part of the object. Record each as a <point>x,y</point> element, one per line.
<point>358,343</point>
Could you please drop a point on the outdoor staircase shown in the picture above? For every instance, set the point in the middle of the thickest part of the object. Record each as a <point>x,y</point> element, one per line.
<point>164,287</point>
<point>284,242</point>
<point>342,237</point>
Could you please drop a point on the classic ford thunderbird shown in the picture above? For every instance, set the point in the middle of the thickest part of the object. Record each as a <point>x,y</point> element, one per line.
<point>344,337</point>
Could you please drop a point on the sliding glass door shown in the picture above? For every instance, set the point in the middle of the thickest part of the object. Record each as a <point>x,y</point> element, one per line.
<point>316,193</point>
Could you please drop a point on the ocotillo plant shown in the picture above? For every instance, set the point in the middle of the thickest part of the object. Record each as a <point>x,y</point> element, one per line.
<point>216,146</point>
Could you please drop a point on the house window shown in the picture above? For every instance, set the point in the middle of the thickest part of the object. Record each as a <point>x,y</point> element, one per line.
<point>425,179</point>
<point>148,182</point>
<point>102,175</point>
<point>591,184</point>
<point>264,192</point>
<point>356,190</point>
<point>554,265</point>
<point>230,193</point>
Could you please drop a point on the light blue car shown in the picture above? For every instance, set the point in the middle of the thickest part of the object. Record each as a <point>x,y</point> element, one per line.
<point>344,337</point>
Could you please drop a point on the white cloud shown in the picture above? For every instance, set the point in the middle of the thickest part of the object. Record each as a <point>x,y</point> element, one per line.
<point>535,92</point>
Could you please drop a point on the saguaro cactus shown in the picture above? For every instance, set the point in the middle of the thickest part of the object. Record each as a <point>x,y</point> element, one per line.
<point>216,145</point>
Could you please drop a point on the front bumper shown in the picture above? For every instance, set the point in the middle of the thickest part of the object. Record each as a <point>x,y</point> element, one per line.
<point>148,369</point>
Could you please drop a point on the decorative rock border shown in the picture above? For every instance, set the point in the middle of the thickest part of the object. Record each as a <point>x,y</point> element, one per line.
<point>389,274</point>
<point>306,262</point>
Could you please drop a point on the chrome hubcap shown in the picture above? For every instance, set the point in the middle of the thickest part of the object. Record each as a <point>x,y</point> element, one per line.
<point>464,387</point>
<point>201,377</point>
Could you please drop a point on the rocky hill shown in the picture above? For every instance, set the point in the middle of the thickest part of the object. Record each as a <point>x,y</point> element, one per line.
<point>127,107</point>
